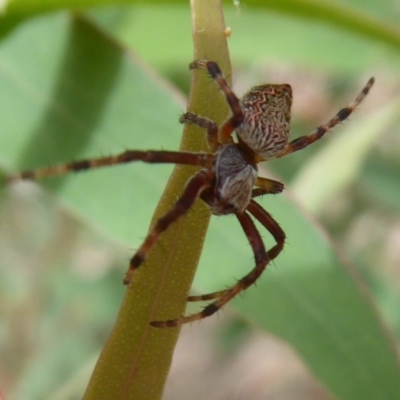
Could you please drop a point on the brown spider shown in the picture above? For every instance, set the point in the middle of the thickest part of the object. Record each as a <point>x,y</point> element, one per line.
<point>226,182</point>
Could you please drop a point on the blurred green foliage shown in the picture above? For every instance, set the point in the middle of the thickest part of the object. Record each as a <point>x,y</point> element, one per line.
<point>64,249</point>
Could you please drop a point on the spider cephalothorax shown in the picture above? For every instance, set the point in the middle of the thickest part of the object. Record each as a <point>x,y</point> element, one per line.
<point>228,181</point>
<point>233,181</point>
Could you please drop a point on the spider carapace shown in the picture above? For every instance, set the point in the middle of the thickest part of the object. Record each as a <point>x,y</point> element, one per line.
<point>228,181</point>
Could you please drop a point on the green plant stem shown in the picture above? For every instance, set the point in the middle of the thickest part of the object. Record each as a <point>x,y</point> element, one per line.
<point>136,358</point>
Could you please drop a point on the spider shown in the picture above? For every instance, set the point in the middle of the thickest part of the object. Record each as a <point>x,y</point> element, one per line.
<point>228,181</point>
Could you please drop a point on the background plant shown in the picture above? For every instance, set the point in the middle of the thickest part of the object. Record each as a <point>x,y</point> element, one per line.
<point>61,267</point>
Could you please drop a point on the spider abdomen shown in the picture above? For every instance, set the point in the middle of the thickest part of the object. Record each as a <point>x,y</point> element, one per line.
<point>266,124</point>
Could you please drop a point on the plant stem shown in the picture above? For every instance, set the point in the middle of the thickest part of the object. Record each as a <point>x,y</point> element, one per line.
<point>136,359</point>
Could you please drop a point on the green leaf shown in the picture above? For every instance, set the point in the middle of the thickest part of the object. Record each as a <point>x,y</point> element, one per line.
<point>79,96</point>
<point>312,299</point>
<point>325,174</point>
<point>317,45</point>
<point>342,17</point>
<point>338,14</point>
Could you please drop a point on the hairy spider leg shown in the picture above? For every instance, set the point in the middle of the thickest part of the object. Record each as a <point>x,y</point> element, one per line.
<point>269,186</point>
<point>271,225</point>
<point>225,295</point>
<point>304,141</point>
<point>257,192</point>
<point>206,123</point>
<point>262,259</point>
<point>170,157</point>
<point>195,186</point>
<point>237,117</point>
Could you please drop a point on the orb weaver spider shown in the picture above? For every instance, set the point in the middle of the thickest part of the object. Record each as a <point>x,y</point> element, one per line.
<point>228,181</point>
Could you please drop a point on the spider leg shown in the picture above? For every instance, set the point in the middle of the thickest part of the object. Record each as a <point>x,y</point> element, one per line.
<point>257,192</point>
<point>208,296</point>
<point>266,186</point>
<point>269,186</point>
<point>269,223</point>
<point>202,122</point>
<point>237,117</point>
<point>195,186</point>
<point>174,157</point>
<point>262,259</point>
<point>304,141</point>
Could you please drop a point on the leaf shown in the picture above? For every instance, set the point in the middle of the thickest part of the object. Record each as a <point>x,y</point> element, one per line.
<point>253,24</point>
<point>318,45</point>
<point>73,110</point>
<point>312,299</point>
<point>325,174</point>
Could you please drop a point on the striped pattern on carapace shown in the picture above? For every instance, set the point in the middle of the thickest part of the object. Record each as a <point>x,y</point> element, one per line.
<point>228,182</point>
